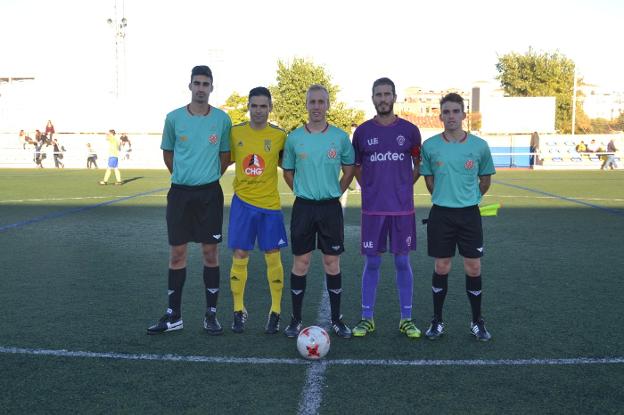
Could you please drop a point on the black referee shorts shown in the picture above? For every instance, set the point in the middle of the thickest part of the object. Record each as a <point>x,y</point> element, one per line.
<point>317,223</point>
<point>450,227</point>
<point>195,214</point>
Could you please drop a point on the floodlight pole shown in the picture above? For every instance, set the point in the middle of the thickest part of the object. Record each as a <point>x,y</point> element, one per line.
<point>119,36</point>
<point>574,102</point>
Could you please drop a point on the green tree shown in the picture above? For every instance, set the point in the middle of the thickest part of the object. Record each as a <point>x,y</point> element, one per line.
<point>543,74</point>
<point>236,108</point>
<point>289,96</point>
<point>618,123</point>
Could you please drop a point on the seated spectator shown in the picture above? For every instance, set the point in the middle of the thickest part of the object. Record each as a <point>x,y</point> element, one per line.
<point>593,147</point>
<point>581,147</point>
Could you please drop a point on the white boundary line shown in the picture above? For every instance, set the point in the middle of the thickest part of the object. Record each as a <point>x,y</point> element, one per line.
<point>60,199</point>
<point>319,366</point>
<point>312,393</point>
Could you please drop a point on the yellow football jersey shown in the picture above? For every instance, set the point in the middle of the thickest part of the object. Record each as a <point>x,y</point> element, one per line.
<point>256,154</point>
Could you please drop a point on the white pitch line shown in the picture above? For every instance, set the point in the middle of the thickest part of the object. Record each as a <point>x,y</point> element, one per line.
<point>312,393</point>
<point>60,199</point>
<point>320,365</point>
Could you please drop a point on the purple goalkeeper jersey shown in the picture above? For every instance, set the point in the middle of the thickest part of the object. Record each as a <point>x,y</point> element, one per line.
<point>387,172</point>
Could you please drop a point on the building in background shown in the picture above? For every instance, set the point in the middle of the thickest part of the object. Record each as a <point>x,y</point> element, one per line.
<point>600,102</point>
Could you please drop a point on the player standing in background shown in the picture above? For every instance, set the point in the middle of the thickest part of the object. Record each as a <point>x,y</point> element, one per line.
<point>457,167</point>
<point>196,150</point>
<point>387,157</point>
<point>113,158</point>
<point>256,148</point>
<point>313,157</point>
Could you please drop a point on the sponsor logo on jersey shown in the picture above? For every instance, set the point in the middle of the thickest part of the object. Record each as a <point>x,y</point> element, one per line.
<point>253,165</point>
<point>267,145</point>
<point>183,138</point>
<point>387,156</point>
<point>332,153</point>
<point>240,144</point>
<point>302,156</point>
<point>372,141</point>
<point>213,139</point>
<point>469,164</point>
<point>400,140</point>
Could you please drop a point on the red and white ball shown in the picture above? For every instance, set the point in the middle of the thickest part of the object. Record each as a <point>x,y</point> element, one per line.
<point>313,343</point>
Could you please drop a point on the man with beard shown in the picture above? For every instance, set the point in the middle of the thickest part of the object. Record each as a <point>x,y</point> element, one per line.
<point>387,157</point>
<point>196,150</point>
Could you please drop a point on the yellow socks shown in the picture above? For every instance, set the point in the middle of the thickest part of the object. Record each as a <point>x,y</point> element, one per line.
<point>275,275</point>
<point>238,279</point>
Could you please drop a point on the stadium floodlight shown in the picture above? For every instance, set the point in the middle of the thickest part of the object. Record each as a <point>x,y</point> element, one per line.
<point>119,34</point>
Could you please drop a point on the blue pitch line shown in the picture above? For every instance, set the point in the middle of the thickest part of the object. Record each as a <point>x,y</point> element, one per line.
<point>67,212</point>
<point>617,212</point>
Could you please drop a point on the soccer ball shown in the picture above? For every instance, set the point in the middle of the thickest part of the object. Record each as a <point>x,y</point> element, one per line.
<point>313,343</point>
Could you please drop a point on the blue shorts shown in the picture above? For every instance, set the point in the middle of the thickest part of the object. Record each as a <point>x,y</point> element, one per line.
<point>248,222</point>
<point>113,162</point>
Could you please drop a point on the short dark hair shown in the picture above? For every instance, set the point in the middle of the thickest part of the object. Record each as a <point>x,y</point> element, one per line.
<point>452,97</point>
<point>384,81</point>
<point>201,70</point>
<point>260,91</point>
<point>111,131</point>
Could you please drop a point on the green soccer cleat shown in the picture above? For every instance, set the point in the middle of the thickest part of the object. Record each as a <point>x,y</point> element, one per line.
<point>408,328</point>
<point>364,327</point>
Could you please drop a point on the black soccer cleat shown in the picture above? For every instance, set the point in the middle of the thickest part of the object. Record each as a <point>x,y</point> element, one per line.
<point>341,329</point>
<point>435,330</point>
<point>168,322</point>
<point>293,328</point>
<point>211,324</point>
<point>240,318</point>
<point>479,331</point>
<point>273,323</point>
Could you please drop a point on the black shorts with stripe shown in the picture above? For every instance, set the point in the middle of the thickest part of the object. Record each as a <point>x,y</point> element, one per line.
<point>451,227</point>
<point>317,224</point>
<point>195,214</point>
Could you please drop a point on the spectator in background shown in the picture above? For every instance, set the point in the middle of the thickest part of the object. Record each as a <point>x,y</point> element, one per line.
<point>26,140</point>
<point>533,148</point>
<point>581,147</point>
<point>40,155</point>
<point>610,158</point>
<point>49,130</point>
<point>58,154</point>
<point>91,157</point>
<point>125,146</point>
<point>592,147</point>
